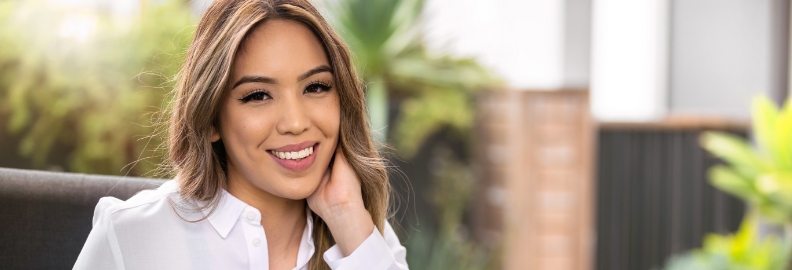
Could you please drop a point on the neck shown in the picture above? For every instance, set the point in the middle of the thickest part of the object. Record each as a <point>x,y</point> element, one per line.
<point>283,219</point>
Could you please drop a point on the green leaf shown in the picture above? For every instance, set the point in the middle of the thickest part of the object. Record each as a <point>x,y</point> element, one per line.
<point>783,138</point>
<point>778,188</point>
<point>765,113</point>
<point>730,181</point>
<point>744,250</point>
<point>736,151</point>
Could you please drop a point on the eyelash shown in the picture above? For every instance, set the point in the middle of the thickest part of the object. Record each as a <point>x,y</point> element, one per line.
<point>323,87</point>
<point>251,95</point>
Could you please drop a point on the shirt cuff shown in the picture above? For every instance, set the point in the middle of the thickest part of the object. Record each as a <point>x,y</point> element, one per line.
<point>373,253</point>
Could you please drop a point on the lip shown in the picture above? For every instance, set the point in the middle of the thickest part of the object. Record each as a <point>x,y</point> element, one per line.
<point>296,165</point>
<point>295,147</point>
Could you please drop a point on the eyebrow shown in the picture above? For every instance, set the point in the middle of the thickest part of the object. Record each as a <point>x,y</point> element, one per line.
<point>262,79</point>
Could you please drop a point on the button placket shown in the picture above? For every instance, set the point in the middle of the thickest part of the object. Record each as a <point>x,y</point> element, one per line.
<point>255,238</point>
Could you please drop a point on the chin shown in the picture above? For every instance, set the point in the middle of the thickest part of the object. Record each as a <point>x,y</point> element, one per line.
<point>297,189</point>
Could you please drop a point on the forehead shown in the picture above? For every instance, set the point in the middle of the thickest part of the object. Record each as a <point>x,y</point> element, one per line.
<point>279,47</point>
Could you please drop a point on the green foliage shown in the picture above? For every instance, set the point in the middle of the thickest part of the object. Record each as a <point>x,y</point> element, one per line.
<point>447,247</point>
<point>435,91</point>
<point>762,177</point>
<point>98,94</point>
<point>386,38</point>
<point>742,251</point>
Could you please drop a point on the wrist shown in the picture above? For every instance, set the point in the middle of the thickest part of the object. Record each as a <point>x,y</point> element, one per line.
<point>350,226</point>
<point>341,213</point>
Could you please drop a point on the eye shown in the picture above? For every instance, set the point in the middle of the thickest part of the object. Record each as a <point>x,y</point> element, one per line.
<point>257,95</point>
<point>317,87</point>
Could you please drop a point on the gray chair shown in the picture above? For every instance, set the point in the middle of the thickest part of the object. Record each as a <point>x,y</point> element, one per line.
<point>45,217</point>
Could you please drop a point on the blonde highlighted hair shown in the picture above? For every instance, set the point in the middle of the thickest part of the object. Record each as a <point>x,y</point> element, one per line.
<point>200,165</point>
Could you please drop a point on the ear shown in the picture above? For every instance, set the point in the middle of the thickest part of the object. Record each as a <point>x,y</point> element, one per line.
<point>215,136</point>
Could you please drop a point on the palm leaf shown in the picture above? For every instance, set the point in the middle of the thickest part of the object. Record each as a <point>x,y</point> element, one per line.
<point>385,37</point>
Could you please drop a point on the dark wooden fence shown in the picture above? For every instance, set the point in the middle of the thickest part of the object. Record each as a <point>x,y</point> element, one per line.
<point>653,198</point>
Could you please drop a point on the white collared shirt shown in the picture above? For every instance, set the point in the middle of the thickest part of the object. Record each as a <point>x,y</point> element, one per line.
<point>145,232</point>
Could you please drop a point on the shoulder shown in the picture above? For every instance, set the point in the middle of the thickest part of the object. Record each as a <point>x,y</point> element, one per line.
<point>144,201</point>
<point>114,228</point>
<point>140,224</point>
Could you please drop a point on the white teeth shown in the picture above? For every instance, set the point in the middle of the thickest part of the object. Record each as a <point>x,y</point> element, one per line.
<point>294,155</point>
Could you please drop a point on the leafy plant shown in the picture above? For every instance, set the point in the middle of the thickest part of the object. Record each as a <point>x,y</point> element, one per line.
<point>89,80</point>
<point>741,251</point>
<point>386,38</point>
<point>761,177</point>
<point>448,246</point>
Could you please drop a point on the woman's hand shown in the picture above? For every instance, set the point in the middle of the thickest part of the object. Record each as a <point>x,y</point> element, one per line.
<point>339,201</point>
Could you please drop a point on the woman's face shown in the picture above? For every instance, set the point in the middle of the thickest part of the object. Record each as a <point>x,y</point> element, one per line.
<point>280,117</point>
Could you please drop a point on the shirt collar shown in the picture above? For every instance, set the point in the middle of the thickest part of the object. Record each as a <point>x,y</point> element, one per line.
<point>226,214</point>
<point>230,209</point>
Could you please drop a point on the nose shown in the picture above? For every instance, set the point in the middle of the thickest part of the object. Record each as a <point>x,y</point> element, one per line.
<point>294,117</point>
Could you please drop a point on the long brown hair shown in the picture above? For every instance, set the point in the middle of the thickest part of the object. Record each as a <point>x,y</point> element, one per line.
<point>200,165</point>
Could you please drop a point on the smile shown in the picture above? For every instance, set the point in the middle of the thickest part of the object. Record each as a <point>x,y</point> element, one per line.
<point>294,155</point>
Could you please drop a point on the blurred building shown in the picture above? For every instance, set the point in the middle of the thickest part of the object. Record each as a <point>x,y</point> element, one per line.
<point>652,75</point>
<point>642,60</point>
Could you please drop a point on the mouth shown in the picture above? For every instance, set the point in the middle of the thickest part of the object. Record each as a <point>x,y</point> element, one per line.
<point>293,155</point>
<point>295,158</point>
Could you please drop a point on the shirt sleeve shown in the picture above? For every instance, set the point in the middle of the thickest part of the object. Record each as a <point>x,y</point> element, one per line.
<point>101,249</point>
<point>376,252</point>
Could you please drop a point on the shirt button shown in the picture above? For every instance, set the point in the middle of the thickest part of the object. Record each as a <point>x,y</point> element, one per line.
<point>251,216</point>
<point>256,242</point>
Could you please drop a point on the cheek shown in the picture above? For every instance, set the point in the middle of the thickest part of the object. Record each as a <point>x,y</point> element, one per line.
<point>331,117</point>
<point>325,115</point>
<point>243,128</point>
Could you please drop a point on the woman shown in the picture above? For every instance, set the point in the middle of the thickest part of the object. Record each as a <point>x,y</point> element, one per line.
<point>275,165</point>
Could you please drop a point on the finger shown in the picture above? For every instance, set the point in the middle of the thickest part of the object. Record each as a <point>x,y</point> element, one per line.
<point>343,171</point>
<point>339,156</point>
<point>322,183</point>
<point>339,153</point>
<point>326,176</point>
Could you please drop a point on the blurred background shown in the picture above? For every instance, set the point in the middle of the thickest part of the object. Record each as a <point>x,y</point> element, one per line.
<point>525,134</point>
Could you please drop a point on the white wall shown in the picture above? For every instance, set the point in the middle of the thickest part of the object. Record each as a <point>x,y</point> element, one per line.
<point>629,59</point>
<point>721,56</point>
<point>521,40</point>
<point>577,44</point>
